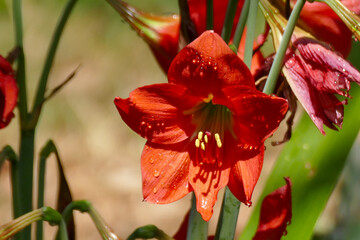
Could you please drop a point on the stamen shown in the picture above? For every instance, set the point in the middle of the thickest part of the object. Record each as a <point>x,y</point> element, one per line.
<point>200,135</point>
<point>197,143</point>
<point>206,139</point>
<point>203,146</point>
<point>218,140</point>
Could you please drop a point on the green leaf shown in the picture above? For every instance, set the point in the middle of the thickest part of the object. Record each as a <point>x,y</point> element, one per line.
<point>64,195</point>
<point>313,162</point>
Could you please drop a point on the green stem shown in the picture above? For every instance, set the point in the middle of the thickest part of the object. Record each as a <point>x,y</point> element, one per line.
<point>229,20</point>
<point>280,54</point>
<point>25,176</point>
<point>20,71</point>
<point>250,32</point>
<point>198,228</point>
<point>241,24</point>
<point>228,217</point>
<point>209,14</point>
<point>40,93</point>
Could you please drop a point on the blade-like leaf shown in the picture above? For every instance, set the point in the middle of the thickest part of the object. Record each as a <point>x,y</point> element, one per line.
<point>314,163</point>
<point>64,195</point>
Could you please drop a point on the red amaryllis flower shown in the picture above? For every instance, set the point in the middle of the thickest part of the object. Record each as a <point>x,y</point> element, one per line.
<point>8,92</point>
<point>160,32</point>
<point>275,214</point>
<point>205,129</point>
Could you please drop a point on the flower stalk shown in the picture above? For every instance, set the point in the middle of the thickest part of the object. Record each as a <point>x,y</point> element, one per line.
<point>280,53</point>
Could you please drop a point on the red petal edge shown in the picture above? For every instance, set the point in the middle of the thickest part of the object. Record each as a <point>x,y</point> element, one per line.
<point>275,214</point>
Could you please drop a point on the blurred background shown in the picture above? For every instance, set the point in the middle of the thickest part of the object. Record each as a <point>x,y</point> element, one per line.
<point>100,154</point>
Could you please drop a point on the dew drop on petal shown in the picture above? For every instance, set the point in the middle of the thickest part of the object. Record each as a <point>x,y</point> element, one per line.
<point>201,74</point>
<point>155,191</point>
<point>156,173</point>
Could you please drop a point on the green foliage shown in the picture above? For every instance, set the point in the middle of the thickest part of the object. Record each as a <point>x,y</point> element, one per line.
<point>314,163</point>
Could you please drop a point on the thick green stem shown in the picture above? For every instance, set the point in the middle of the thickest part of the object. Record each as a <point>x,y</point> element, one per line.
<point>250,32</point>
<point>241,24</point>
<point>197,228</point>
<point>228,217</point>
<point>280,54</point>
<point>229,20</point>
<point>209,14</point>
<point>40,94</point>
<point>25,176</point>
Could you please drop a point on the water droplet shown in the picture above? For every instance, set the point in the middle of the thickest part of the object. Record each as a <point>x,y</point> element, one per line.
<point>151,160</point>
<point>156,173</point>
<point>251,125</point>
<point>266,126</point>
<point>155,191</point>
<point>201,74</point>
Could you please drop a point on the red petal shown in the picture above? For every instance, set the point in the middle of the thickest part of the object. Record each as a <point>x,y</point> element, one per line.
<point>318,105</point>
<point>207,65</point>
<point>326,70</point>
<point>156,112</point>
<point>8,93</point>
<point>256,115</point>
<point>245,174</point>
<point>165,171</point>
<point>207,180</point>
<point>275,214</point>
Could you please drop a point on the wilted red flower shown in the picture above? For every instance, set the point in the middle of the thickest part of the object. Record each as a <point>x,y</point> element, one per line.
<point>8,92</point>
<point>160,32</point>
<point>275,214</point>
<point>315,74</point>
<point>206,127</point>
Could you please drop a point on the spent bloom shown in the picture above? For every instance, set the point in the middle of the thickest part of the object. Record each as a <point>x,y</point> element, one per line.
<point>275,214</point>
<point>315,74</point>
<point>161,33</point>
<point>205,129</point>
<point>8,92</point>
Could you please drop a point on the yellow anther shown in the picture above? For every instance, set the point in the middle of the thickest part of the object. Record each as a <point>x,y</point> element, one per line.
<point>218,140</point>
<point>200,135</point>
<point>203,146</point>
<point>197,143</point>
<point>206,139</point>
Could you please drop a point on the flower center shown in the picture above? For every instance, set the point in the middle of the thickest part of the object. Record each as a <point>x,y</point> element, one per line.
<point>212,121</point>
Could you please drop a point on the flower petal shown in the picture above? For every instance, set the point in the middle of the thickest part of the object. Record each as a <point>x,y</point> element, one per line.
<point>256,115</point>
<point>206,180</point>
<point>156,112</point>
<point>165,170</point>
<point>245,174</point>
<point>275,214</point>
<point>8,92</point>
<point>207,65</point>
<point>318,105</point>
<point>326,70</point>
